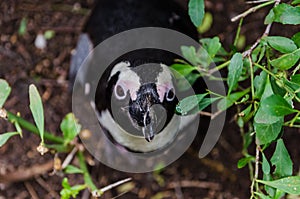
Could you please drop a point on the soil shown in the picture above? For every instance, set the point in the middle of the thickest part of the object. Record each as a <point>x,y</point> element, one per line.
<point>21,63</point>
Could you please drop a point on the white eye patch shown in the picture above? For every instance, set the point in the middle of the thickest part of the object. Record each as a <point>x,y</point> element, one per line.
<point>128,80</point>
<point>165,84</point>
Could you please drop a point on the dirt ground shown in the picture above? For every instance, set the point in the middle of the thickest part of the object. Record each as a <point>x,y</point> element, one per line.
<point>21,64</point>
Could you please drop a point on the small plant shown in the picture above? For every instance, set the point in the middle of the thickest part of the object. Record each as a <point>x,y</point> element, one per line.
<point>263,85</point>
<point>66,143</point>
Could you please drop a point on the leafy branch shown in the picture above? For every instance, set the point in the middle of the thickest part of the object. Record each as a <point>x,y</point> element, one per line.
<point>66,143</point>
<point>264,85</point>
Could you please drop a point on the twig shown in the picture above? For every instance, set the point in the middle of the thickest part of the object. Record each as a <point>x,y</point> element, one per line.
<point>119,195</point>
<point>196,184</point>
<point>266,33</point>
<point>54,8</point>
<point>216,114</point>
<point>111,186</point>
<point>178,191</point>
<point>69,158</point>
<point>253,9</point>
<point>214,165</point>
<point>257,1</point>
<point>25,174</point>
<point>86,194</point>
<point>205,113</point>
<point>211,115</point>
<point>31,190</point>
<point>47,187</point>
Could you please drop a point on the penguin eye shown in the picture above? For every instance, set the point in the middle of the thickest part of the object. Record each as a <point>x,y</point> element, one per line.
<point>120,91</point>
<point>170,95</point>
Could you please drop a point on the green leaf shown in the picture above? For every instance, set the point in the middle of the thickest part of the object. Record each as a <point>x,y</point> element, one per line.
<point>262,196</point>
<point>23,26</point>
<point>189,103</point>
<point>234,71</point>
<point>282,44</point>
<point>296,79</point>
<point>265,165</point>
<point>68,191</point>
<point>65,183</point>
<point>211,45</point>
<point>229,100</point>
<point>270,190</point>
<point>285,14</point>
<point>259,52</point>
<point>36,107</point>
<point>4,91</point>
<point>196,11</point>
<point>183,69</point>
<point>247,114</point>
<point>205,102</point>
<point>248,138</point>
<point>241,42</point>
<point>296,39</point>
<point>277,88</point>
<point>266,126</point>
<point>266,133</point>
<point>207,23</point>
<point>184,82</point>
<point>279,194</point>
<point>277,106</point>
<point>286,61</point>
<point>49,34</point>
<point>295,2</point>
<point>5,136</point>
<point>203,58</point>
<point>70,169</point>
<point>294,86</point>
<point>270,17</point>
<point>189,53</point>
<point>281,160</point>
<point>290,185</point>
<point>244,161</point>
<point>70,127</point>
<point>259,84</point>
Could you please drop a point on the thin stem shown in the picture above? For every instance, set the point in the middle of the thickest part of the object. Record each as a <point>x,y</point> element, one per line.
<point>216,94</point>
<point>291,122</point>
<point>86,175</point>
<point>252,78</point>
<point>32,128</point>
<point>267,71</point>
<point>238,32</point>
<point>296,69</point>
<point>219,67</point>
<point>255,172</point>
<point>253,9</point>
<point>266,33</point>
<point>294,126</point>
<point>273,75</point>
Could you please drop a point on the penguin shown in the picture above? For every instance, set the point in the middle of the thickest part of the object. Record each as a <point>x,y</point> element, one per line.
<point>136,96</point>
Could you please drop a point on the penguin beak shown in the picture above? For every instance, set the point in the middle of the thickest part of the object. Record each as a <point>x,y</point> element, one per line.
<point>148,128</point>
<point>146,112</point>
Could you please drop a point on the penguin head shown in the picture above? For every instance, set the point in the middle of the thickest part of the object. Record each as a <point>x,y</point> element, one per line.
<point>140,100</point>
<point>143,98</point>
